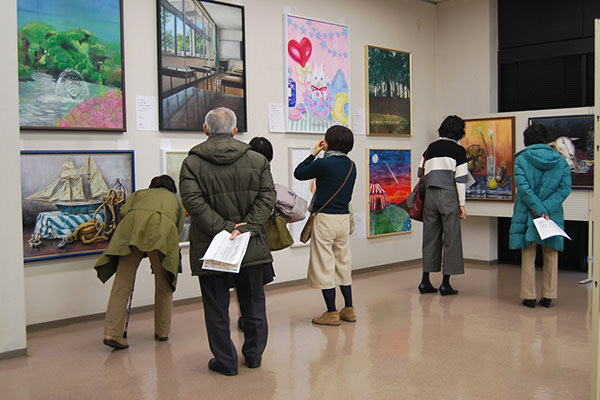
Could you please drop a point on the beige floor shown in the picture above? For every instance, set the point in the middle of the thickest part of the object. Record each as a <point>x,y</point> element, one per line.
<point>481,344</point>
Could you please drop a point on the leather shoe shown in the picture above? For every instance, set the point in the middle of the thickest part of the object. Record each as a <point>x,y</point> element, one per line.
<point>160,338</point>
<point>529,303</point>
<point>447,290</point>
<point>545,302</point>
<point>252,363</point>
<point>117,343</point>
<point>426,288</point>
<point>214,366</point>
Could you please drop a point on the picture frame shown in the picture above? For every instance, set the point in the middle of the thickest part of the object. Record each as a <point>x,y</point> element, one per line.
<point>71,200</point>
<point>389,185</point>
<point>490,145</point>
<point>389,90</point>
<point>304,189</point>
<point>317,74</point>
<point>573,137</point>
<point>171,165</point>
<point>71,69</point>
<point>201,62</point>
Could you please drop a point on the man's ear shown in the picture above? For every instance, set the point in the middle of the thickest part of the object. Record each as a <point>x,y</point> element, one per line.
<point>205,131</point>
<point>234,131</point>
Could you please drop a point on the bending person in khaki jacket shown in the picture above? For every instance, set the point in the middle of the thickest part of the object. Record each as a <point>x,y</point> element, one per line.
<point>151,224</point>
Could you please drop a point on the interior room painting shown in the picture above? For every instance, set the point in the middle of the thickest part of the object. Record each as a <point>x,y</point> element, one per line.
<point>70,65</point>
<point>201,62</point>
<point>71,200</point>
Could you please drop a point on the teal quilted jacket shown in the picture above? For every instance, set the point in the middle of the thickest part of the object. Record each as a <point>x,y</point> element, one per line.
<point>543,182</point>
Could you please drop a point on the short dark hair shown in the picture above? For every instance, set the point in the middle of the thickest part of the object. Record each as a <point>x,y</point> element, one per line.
<point>452,127</point>
<point>339,138</point>
<point>535,134</point>
<point>163,181</point>
<point>263,146</point>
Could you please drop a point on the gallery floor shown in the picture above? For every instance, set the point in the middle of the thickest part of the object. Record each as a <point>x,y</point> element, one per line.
<point>480,344</point>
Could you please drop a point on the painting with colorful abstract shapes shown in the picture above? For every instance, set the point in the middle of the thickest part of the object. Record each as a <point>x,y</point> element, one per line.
<point>72,200</point>
<point>490,145</point>
<point>389,175</point>
<point>71,65</point>
<point>573,137</point>
<point>317,81</point>
<point>388,92</point>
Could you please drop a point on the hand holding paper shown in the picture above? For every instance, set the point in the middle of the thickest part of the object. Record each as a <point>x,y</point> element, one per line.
<point>547,228</point>
<point>226,254</point>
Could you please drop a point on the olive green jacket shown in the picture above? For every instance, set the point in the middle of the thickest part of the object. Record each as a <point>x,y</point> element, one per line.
<point>152,220</point>
<point>222,184</point>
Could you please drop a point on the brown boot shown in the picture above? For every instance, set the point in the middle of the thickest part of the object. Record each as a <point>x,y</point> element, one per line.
<point>116,342</point>
<point>328,318</point>
<point>348,314</point>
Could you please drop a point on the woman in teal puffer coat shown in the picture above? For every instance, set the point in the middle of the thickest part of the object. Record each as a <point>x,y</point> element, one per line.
<point>543,181</point>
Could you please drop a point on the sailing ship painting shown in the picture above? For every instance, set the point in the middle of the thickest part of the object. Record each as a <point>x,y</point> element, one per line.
<point>71,200</point>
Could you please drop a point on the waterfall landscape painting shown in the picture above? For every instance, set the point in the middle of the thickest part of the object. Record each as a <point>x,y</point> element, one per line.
<point>70,65</point>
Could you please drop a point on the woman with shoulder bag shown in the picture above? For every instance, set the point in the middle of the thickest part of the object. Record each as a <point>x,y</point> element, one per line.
<point>330,261</point>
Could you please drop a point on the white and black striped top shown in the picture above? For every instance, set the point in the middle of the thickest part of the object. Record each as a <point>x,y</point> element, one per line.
<point>446,167</point>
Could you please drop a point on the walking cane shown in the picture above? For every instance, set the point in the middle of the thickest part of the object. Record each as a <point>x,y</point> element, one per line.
<point>128,311</point>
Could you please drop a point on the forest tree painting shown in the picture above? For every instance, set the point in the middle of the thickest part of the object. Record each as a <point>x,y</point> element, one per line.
<point>388,91</point>
<point>70,65</point>
<point>389,187</point>
<point>317,81</point>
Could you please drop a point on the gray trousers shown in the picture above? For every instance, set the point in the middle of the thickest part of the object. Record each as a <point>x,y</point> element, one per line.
<point>441,232</point>
<point>251,295</point>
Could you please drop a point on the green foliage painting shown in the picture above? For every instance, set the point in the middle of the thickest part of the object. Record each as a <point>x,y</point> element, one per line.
<point>70,64</point>
<point>389,91</point>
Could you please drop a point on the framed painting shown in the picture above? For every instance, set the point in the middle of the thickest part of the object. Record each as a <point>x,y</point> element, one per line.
<point>317,75</point>
<point>490,144</point>
<point>389,172</point>
<point>201,62</point>
<point>573,137</point>
<point>71,200</point>
<point>70,56</point>
<point>171,165</point>
<point>304,189</point>
<point>388,91</point>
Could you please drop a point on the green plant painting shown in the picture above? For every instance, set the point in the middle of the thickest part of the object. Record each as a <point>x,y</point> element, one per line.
<point>70,65</point>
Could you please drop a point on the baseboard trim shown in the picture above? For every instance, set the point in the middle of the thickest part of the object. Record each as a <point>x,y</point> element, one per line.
<point>13,354</point>
<point>198,299</point>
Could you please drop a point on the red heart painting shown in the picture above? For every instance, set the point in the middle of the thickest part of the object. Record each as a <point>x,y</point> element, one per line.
<point>300,52</point>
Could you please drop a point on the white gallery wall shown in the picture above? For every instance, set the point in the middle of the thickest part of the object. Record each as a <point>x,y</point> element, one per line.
<point>453,48</point>
<point>12,290</point>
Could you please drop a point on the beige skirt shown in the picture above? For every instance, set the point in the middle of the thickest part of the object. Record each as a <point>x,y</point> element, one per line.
<point>330,257</point>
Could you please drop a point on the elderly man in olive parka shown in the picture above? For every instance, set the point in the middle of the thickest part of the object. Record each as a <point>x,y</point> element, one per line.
<point>224,186</point>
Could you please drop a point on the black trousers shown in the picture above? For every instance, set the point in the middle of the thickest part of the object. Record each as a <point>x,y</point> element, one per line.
<point>251,296</point>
